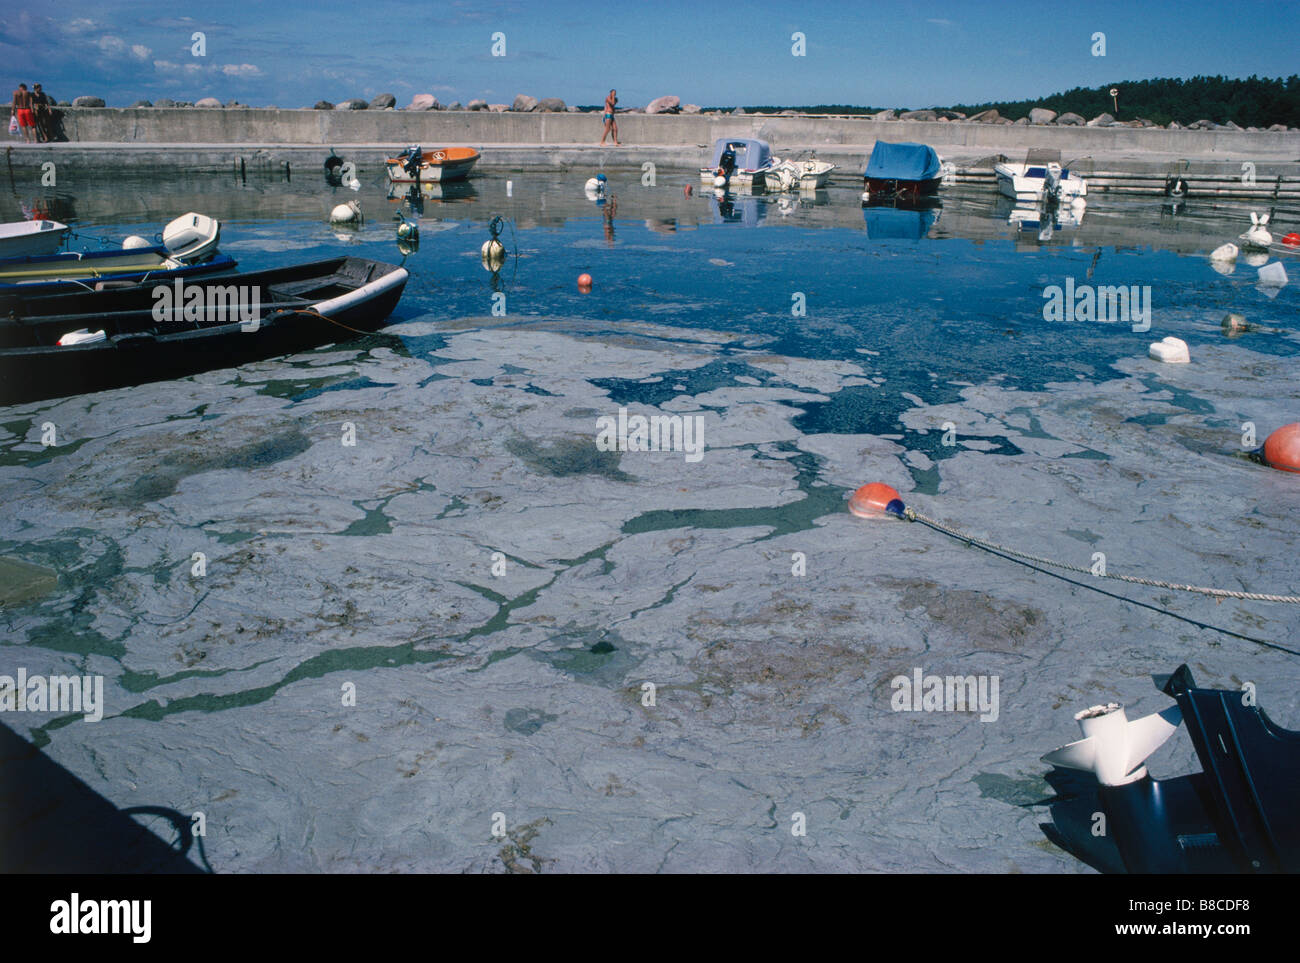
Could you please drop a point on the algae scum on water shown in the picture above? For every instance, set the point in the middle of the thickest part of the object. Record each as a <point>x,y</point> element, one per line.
<point>357,656</point>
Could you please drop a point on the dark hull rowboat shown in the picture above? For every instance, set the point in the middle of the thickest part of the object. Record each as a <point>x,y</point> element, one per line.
<point>135,335</point>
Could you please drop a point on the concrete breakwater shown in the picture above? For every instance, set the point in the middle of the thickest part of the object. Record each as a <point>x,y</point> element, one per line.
<point>267,127</point>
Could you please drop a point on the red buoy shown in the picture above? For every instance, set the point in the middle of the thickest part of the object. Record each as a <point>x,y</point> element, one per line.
<point>584,282</point>
<point>1292,240</point>
<point>874,500</point>
<point>689,190</point>
<point>1282,448</point>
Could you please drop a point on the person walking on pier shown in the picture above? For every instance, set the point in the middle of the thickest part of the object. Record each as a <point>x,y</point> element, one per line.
<point>21,109</point>
<point>41,114</point>
<point>611,125</point>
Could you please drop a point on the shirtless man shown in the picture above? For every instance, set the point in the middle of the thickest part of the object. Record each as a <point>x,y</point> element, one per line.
<point>22,109</point>
<point>41,114</point>
<point>611,125</point>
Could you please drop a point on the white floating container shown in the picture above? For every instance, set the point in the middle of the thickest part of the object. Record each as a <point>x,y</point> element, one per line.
<point>81,336</point>
<point>1273,275</point>
<point>1228,252</point>
<point>1170,351</point>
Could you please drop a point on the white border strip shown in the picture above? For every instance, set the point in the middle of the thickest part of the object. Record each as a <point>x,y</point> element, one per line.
<point>366,291</point>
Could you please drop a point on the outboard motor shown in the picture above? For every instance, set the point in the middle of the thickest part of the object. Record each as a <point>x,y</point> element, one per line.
<point>412,159</point>
<point>333,169</point>
<point>727,163</point>
<point>1052,190</point>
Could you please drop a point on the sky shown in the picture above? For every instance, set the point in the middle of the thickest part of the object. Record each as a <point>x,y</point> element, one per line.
<point>292,53</point>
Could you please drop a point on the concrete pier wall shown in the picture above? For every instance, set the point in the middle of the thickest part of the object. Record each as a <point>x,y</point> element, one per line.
<point>330,127</point>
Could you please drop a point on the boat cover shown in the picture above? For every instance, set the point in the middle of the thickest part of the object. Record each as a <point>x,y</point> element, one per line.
<point>903,162</point>
<point>751,155</point>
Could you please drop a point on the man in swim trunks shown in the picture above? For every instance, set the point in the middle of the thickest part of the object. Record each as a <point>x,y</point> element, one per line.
<point>611,125</point>
<point>22,109</point>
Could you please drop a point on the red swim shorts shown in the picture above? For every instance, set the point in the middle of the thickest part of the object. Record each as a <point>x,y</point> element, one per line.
<point>25,118</point>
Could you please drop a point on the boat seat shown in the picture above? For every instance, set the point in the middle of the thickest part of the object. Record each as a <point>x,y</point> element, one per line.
<point>296,289</point>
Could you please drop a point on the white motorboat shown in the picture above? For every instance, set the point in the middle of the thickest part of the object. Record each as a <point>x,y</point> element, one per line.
<point>1040,174</point>
<point>803,175</point>
<point>739,162</point>
<point>31,238</point>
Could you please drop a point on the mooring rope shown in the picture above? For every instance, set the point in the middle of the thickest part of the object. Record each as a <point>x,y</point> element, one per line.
<point>914,516</point>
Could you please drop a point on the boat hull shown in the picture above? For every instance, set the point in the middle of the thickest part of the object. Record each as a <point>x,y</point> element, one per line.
<point>137,357</point>
<point>1015,184</point>
<point>454,165</point>
<point>741,179</point>
<point>881,189</point>
<point>55,273</point>
<point>31,238</point>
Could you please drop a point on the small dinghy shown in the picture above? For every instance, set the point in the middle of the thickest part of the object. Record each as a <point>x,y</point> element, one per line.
<point>903,172</point>
<point>188,248</point>
<point>1040,175</point>
<point>432,166</point>
<point>31,238</point>
<point>56,345</point>
<point>803,175</point>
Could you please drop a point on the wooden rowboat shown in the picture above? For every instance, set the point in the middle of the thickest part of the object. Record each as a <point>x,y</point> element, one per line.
<point>434,166</point>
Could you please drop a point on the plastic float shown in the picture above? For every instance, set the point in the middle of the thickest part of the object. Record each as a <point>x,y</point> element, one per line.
<point>1225,252</point>
<point>1170,351</point>
<point>1258,235</point>
<point>1273,275</point>
<point>595,187</point>
<point>1240,814</point>
<point>584,283</point>
<point>349,213</point>
<point>1282,448</point>
<point>1291,240</point>
<point>875,499</point>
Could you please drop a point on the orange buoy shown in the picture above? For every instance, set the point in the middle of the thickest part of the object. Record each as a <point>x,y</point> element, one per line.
<point>1292,240</point>
<point>875,499</point>
<point>688,190</point>
<point>1282,448</point>
<point>584,282</point>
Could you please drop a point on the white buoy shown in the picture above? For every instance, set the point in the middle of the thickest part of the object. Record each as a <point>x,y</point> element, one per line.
<point>135,241</point>
<point>1170,351</point>
<point>1258,235</point>
<point>1113,749</point>
<point>594,185</point>
<point>1225,252</point>
<point>349,213</point>
<point>493,254</point>
<point>719,181</point>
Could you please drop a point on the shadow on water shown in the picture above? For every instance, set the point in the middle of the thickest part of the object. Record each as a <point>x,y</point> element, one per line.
<point>53,822</point>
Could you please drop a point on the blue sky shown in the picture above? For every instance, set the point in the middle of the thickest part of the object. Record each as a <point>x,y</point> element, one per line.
<point>903,54</point>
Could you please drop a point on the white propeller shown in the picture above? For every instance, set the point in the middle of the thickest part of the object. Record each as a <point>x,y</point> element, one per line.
<point>1114,749</point>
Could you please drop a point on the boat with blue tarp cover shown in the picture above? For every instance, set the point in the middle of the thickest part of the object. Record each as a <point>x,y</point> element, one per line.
<point>902,170</point>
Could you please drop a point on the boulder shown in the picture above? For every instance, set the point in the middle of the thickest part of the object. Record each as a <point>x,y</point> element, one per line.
<point>690,108</point>
<point>1101,120</point>
<point>523,103</point>
<point>1004,121</point>
<point>550,105</point>
<point>92,102</point>
<point>950,115</point>
<point>420,102</point>
<point>1041,115</point>
<point>1069,119</point>
<point>235,103</point>
<point>498,108</point>
<point>207,102</point>
<point>382,101</point>
<point>164,102</point>
<point>1022,121</point>
<point>477,104</point>
<point>183,103</point>
<point>1174,125</point>
<point>1277,127</point>
<point>738,110</point>
<point>142,103</point>
<point>352,103</point>
<point>990,116</point>
<point>664,105</point>
<point>1232,125</point>
<point>454,105</point>
<point>571,109</point>
<point>885,115</point>
<point>918,115</point>
<point>323,105</point>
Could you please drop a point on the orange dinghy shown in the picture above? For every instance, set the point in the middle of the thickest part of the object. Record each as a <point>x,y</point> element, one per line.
<point>431,166</point>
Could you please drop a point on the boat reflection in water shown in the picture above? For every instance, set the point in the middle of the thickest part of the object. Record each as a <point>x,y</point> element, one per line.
<point>1042,220</point>
<point>745,209</point>
<point>901,220</point>
<point>440,191</point>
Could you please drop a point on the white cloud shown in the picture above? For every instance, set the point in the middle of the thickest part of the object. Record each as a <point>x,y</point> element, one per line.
<point>140,51</point>
<point>940,21</point>
<point>80,25</point>
<point>241,70</point>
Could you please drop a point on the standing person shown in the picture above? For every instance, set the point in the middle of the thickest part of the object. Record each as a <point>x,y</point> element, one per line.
<point>22,109</point>
<point>41,114</point>
<point>611,125</point>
